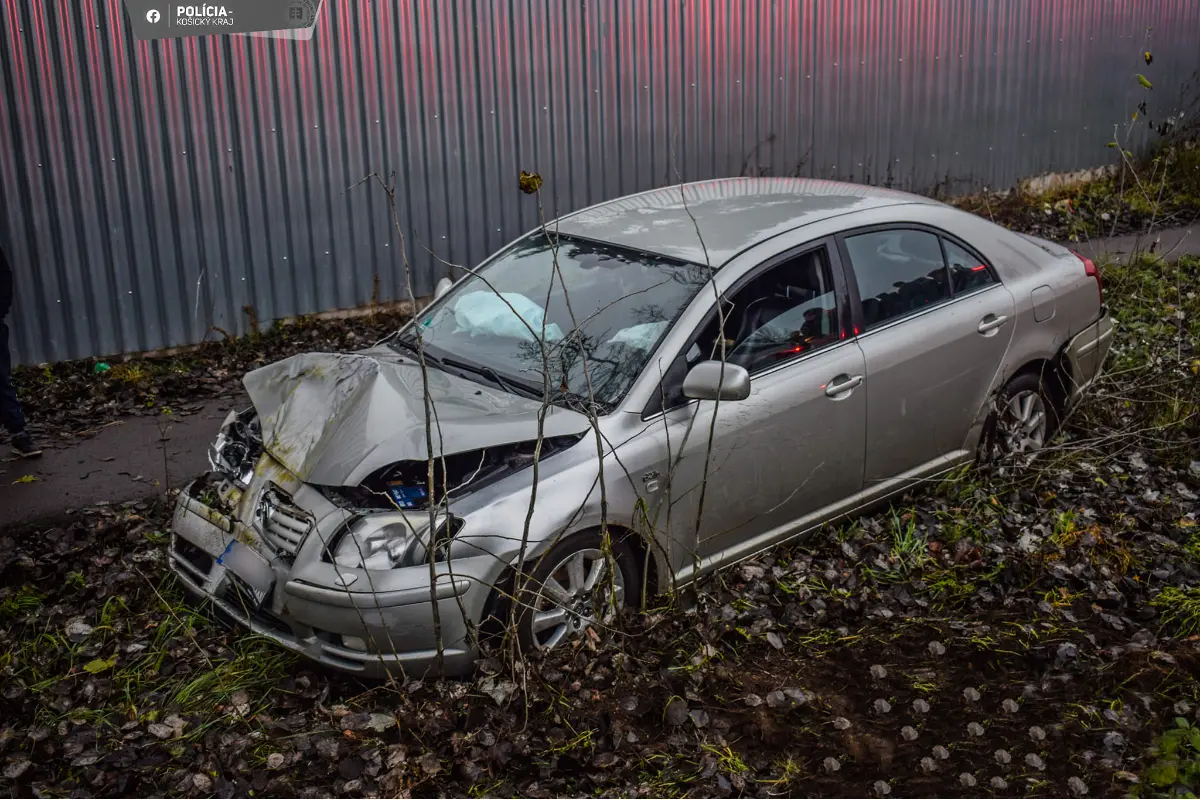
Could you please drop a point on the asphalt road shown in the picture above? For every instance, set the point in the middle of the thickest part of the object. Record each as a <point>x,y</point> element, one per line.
<point>132,459</point>
<point>1171,243</point>
<point>125,461</point>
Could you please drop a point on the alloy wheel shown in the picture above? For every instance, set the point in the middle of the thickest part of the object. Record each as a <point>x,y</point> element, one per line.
<point>582,591</point>
<point>1022,423</point>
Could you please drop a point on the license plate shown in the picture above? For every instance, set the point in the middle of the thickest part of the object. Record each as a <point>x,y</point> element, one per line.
<point>254,571</point>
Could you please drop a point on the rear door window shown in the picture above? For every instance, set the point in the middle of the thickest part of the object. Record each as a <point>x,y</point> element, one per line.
<point>899,271</point>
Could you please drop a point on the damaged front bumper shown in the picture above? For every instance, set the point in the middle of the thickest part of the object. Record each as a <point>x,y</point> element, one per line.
<point>274,576</point>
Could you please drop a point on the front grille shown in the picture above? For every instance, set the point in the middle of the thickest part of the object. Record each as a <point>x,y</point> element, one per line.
<point>250,607</point>
<point>239,609</point>
<point>284,524</point>
<point>235,592</point>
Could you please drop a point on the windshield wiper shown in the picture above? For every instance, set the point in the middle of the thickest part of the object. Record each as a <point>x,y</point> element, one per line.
<point>415,350</point>
<point>507,384</point>
<point>581,400</point>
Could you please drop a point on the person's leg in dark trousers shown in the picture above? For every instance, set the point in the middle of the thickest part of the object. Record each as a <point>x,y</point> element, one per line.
<point>10,408</point>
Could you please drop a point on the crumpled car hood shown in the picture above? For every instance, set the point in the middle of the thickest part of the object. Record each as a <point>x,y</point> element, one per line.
<point>334,418</point>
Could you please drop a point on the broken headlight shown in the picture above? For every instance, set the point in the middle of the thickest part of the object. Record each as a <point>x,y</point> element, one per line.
<point>237,447</point>
<point>367,544</point>
<point>387,541</point>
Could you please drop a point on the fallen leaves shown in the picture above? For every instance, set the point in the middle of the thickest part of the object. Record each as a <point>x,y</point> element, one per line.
<point>77,630</point>
<point>876,680</point>
<point>676,712</point>
<point>98,665</point>
<point>160,730</point>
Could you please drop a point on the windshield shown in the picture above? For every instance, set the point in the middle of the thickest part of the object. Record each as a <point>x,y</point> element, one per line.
<point>605,308</point>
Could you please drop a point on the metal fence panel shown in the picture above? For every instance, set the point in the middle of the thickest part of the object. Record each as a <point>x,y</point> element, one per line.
<point>155,191</point>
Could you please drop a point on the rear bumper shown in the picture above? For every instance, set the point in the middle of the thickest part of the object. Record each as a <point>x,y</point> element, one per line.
<point>1085,355</point>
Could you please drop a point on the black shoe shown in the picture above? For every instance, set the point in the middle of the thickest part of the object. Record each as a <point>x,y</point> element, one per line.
<point>23,446</point>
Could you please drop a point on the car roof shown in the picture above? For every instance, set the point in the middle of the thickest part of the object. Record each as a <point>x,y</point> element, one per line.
<point>731,214</point>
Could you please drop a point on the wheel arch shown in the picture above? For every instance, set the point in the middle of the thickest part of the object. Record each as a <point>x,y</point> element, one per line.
<point>1055,374</point>
<point>651,564</point>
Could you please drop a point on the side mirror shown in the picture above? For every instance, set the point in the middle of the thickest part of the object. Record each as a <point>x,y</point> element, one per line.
<point>705,381</point>
<point>442,287</point>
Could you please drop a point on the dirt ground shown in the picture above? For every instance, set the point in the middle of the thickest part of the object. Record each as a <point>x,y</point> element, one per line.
<point>1019,631</point>
<point>968,643</point>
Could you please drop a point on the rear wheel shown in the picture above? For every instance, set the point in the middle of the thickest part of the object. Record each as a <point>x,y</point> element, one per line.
<point>1022,423</point>
<point>579,584</point>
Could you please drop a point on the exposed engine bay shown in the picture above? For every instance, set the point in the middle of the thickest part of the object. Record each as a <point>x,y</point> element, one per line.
<point>404,485</point>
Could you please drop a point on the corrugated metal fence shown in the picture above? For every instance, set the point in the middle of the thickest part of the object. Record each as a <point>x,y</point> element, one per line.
<point>154,190</point>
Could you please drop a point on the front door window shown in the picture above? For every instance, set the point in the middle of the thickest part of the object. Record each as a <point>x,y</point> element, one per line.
<point>784,313</point>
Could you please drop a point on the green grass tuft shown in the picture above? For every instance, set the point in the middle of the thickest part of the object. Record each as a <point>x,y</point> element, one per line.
<point>23,600</point>
<point>1180,608</point>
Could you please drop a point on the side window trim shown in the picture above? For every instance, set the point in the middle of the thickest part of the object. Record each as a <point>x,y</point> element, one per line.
<point>842,286</point>
<point>859,328</point>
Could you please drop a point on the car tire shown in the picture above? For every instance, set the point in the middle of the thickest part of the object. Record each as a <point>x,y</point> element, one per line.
<point>1022,422</point>
<point>538,628</point>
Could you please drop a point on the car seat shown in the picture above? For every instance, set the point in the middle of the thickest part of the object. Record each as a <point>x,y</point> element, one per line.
<point>872,309</point>
<point>762,310</point>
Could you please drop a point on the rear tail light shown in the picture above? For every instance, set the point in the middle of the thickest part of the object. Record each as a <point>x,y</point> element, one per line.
<point>1090,268</point>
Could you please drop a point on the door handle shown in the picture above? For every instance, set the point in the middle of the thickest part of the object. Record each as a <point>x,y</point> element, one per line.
<point>842,384</point>
<point>991,322</point>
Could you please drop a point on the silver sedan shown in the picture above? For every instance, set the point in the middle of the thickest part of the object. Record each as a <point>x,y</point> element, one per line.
<point>639,393</point>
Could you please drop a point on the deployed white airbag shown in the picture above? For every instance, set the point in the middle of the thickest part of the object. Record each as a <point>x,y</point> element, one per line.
<point>487,313</point>
<point>641,336</point>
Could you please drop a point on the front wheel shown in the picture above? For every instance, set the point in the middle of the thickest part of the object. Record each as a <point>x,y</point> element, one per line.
<point>1022,422</point>
<point>579,584</point>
